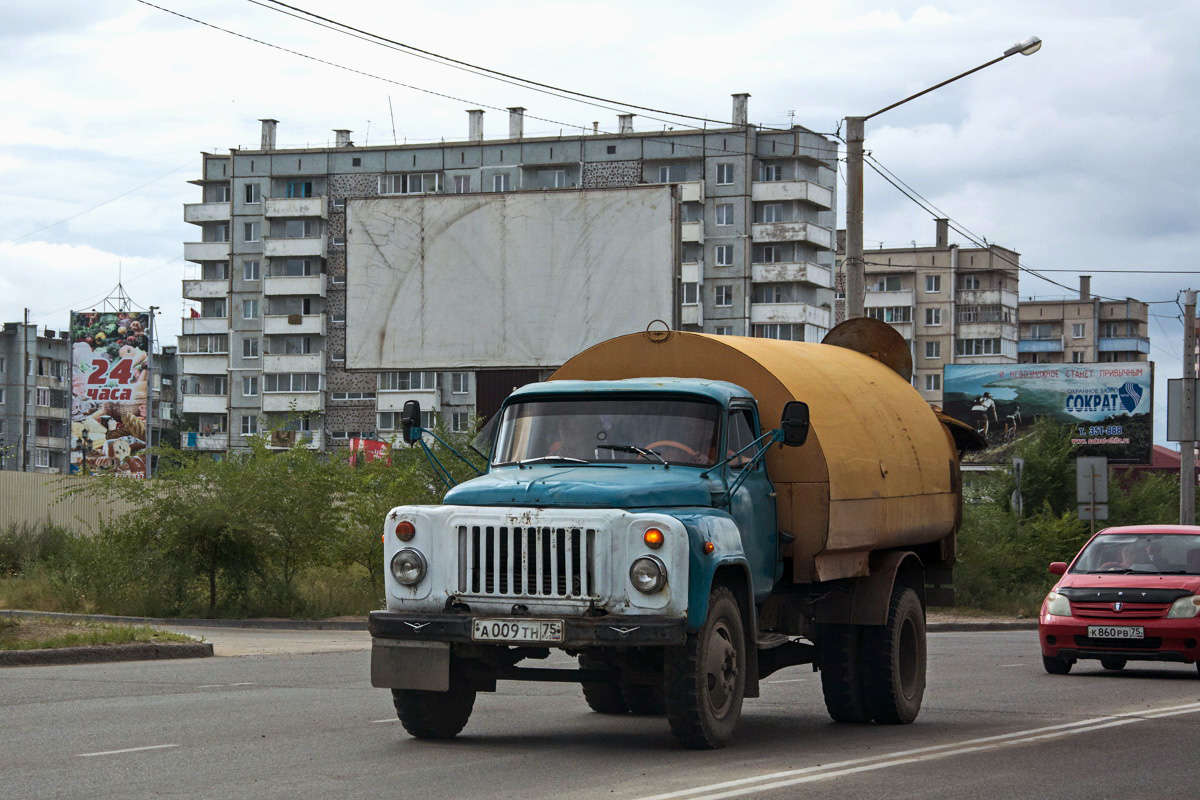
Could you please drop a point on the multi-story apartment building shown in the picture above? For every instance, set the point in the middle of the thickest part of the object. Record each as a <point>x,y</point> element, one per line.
<point>35,398</point>
<point>952,304</point>
<point>265,344</point>
<point>1083,329</point>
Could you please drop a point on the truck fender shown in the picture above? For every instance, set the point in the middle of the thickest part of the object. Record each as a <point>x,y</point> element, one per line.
<point>868,598</point>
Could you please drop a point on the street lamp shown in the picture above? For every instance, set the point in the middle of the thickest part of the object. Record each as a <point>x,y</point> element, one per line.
<point>854,266</point>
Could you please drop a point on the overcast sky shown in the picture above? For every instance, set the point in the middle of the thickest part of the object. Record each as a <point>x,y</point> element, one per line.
<point>1080,157</point>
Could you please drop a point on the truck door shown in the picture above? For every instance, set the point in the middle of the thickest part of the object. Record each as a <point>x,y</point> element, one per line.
<point>753,504</point>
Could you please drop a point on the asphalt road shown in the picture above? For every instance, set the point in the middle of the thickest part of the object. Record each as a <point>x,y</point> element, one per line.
<point>292,715</point>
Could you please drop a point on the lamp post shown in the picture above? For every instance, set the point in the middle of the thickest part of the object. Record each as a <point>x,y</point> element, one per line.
<point>854,266</point>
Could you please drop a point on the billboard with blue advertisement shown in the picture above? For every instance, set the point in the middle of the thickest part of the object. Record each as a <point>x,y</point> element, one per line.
<point>1109,407</point>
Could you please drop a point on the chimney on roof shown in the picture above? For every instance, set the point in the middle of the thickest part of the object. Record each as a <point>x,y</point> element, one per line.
<point>268,134</point>
<point>475,125</point>
<point>516,122</point>
<point>943,232</point>
<point>624,123</point>
<point>1085,287</point>
<point>343,137</point>
<point>740,109</point>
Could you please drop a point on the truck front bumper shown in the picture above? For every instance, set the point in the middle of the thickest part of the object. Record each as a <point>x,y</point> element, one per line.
<point>578,632</point>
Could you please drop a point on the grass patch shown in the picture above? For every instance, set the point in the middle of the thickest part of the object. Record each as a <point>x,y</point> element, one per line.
<point>44,634</point>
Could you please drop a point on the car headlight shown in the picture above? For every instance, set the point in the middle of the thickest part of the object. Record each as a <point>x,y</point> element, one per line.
<point>1185,608</point>
<point>1058,605</point>
<point>409,566</point>
<point>648,574</point>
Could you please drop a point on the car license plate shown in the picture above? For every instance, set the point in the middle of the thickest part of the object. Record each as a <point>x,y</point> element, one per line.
<point>517,630</point>
<point>1116,632</point>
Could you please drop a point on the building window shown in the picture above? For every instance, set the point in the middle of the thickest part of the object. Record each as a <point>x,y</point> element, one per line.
<point>1041,331</point>
<point>789,331</point>
<point>249,426</point>
<point>724,174</point>
<point>670,173</point>
<point>338,356</point>
<point>41,458</point>
<point>460,422</point>
<point>1077,357</point>
<point>250,386</point>
<point>977,347</point>
<point>205,344</point>
<point>251,231</point>
<point>725,214</point>
<point>460,382</point>
<point>250,348</point>
<point>250,309</point>
<point>253,193</point>
<point>933,349</point>
<point>356,162</point>
<point>933,382</point>
<point>1077,330</point>
<point>560,179</point>
<point>352,396</point>
<point>407,381</point>
<point>611,150</point>
<point>500,182</point>
<point>770,172</point>
<point>294,268</point>
<point>291,382</point>
<point>250,270</point>
<point>462,184</point>
<point>289,345</point>
<point>300,228</point>
<point>299,189</point>
<point>770,254</point>
<point>771,212</point>
<point>414,183</point>
<point>887,283</point>
<point>933,283</point>
<point>220,194</point>
<point>723,330</point>
<point>970,281</point>
<point>690,294</point>
<point>337,204</point>
<point>339,318</point>
<point>723,295</point>
<point>724,255</point>
<point>933,316</point>
<point>41,396</point>
<point>891,313</point>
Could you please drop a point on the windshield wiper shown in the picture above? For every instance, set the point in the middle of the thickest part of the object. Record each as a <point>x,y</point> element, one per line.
<point>628,448</point>
<point>541,459</point>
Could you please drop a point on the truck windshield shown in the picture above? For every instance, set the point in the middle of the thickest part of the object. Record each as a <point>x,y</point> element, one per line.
<point>621,430</point>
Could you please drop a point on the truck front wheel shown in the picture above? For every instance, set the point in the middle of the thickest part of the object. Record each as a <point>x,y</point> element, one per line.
<point>434,715</point>
<point>705,679</point>
<point>603,697</point>
<point>894,655</point>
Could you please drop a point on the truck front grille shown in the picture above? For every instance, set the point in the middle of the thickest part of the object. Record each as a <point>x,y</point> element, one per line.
<point>519,561</point>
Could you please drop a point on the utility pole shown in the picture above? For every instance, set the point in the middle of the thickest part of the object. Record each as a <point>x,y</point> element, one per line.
<point>25,365</point>
<point>1187,448</point>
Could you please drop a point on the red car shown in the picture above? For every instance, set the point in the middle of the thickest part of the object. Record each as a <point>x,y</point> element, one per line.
<point>1132,594</point>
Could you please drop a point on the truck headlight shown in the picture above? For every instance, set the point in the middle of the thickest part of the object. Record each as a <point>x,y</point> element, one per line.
<point>1057,605</point>
<point>1185,608</point>
<point>408,566</point>
<point>648,574</point>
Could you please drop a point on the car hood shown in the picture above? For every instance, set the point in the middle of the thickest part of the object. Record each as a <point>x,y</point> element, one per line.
<point>585,487</point>
<point>1130,581</point>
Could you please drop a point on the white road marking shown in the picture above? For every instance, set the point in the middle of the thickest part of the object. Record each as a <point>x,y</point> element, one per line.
<point>788,680</point>
<point>392,719</point>
<point>127,750</point>
<point>1012,665</point>
<point>826,771</point>
<point>223,685</point>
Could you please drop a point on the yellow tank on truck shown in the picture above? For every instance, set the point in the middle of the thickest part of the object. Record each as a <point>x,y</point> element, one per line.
<point>879,469</point>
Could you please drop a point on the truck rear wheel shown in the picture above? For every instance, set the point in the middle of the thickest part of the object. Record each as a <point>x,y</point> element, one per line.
<point>434,715</point>
<point>705,679</point>
<point>841,673</point>
<point>603,697</point>
<point>894,656</point>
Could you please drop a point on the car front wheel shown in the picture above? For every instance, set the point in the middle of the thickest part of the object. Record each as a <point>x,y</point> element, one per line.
<point>1056,666</point>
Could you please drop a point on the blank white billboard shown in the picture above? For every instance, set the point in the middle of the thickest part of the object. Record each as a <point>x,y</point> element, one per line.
<point>517,279</point>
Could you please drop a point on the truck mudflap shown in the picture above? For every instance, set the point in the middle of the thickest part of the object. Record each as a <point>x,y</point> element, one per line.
<point>578,632</point>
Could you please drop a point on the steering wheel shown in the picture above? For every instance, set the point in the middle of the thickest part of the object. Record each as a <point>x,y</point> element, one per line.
<point>680,446</point>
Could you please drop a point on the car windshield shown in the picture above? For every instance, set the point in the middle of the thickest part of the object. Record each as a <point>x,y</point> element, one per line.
<point>647,430</point>
<point>1152,553</point>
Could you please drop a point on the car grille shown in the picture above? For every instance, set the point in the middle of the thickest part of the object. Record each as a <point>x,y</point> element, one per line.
<point>1149,643</point>
<point>521,561</point>
<point>1128,611</point>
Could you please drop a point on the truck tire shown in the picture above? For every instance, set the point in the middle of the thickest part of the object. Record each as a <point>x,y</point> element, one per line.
<point>1056,666</point>
<point>644,701</point>
<point>705,679</point>
<point>841,673</point>
<point>894,656</point>
<point>434,715</point>
<point>602,697</point>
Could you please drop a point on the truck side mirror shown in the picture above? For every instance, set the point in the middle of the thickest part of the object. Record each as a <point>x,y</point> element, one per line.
<point>410,418</point>
<point>794,423</point>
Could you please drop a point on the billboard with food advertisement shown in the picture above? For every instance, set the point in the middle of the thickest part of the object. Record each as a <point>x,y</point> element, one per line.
<point>1105,409</point>
<point>110,366</point>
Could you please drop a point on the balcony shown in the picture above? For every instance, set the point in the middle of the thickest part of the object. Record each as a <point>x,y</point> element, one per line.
<point>988,297</point>
<point>206,251</point>
<point>307,362</point>
<point>291,401</point>
<point>876,299</point>
<point>312,324</point>
<point>282,440</point>
<point>388,400</point>
<point>793,232</point>
<point>689,273</point>
<point>200,290</point>
<point>295,207</point>
<point>691,315</point>
<point>1051,344</point>
<point>199,326</point>
<point>204,363</point>
<point>49,412</point>
<point>691,192</point>
<point>50,442</point>
<point>766,313</point>
<point>204,404</point>
<point>191,440</point>
<point>300,247</point>
<point>692,232</point>
<point>199,213</point>
<point>797,272</point>
<point>987,330</point>
<point>309,285</point>
<point>782,191</point>
<point>1123,344</point>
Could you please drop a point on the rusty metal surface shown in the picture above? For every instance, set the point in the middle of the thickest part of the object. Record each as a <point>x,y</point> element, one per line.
<point>876,339</point>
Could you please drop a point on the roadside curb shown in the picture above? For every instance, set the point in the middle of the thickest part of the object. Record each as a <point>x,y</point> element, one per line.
<point>263,624</point>
<point>990,625</point>
<point>134,651</point>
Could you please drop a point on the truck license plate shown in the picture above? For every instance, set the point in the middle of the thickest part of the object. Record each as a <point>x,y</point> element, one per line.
<point>517,630</point>
<point>1116,632</point>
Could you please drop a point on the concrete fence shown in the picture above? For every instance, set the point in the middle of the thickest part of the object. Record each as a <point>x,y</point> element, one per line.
<point>30,498</point>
